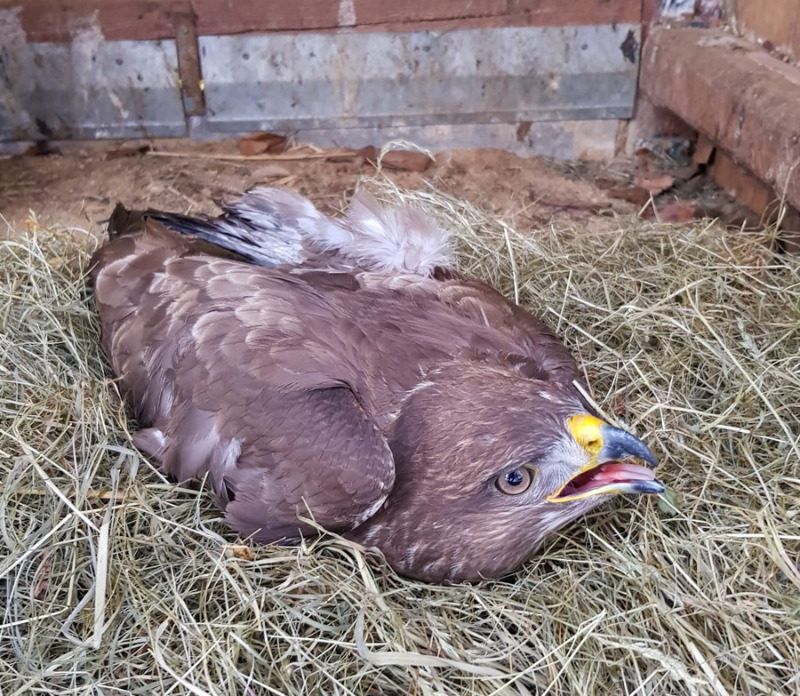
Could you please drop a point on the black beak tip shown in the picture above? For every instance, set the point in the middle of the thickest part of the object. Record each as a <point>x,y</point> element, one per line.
<point>653,487</point>
<point>650,458</point>
<point>619,444</point>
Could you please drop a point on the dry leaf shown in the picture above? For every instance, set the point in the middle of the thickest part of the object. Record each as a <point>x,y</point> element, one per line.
<point>259,143</point>
<point>406,160</point>
<point>655,183</point>
<point>403,160</point>
<point>678,212</point>
<point>634,194</point>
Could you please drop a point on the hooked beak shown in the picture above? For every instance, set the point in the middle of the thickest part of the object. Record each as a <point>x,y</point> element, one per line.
<point>620,462</point>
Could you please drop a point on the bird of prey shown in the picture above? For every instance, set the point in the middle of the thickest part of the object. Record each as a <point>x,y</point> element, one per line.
<point>342,371</point>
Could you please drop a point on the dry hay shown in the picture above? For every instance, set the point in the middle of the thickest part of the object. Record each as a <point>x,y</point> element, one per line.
<point>114,581</point>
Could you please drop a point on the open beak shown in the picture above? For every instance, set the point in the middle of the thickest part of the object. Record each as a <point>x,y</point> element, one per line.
<point>620,462</point>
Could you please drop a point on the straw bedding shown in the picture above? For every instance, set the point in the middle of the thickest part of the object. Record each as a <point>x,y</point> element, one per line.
<point>114,581</point>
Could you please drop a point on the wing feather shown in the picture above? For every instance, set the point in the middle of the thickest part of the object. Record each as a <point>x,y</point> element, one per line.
<point>231,385</point>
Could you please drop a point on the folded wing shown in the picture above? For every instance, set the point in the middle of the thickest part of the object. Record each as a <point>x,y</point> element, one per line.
<point>227,384</point>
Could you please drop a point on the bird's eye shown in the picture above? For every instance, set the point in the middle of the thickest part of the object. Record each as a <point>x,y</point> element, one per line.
<point>515,481</point>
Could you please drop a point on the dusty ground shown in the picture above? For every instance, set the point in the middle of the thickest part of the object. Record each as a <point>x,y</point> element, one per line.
<point>80,185</point>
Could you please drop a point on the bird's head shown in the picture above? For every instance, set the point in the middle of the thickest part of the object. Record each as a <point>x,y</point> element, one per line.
<point>488,464</point>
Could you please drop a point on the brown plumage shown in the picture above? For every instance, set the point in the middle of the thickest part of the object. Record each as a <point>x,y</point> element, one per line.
<point>341,371</point>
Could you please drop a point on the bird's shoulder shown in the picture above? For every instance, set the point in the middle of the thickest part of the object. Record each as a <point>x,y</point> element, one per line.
<point>468,317</point>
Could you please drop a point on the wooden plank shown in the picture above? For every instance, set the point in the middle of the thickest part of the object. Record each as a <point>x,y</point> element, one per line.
<point>778,27</point>
<point>758,197</point>
<point>60,20</point>
<point>536,13</point>
<point>402,11</point>
<point>452,14</point>
<point>241,16</point>
<point>747,189</point>
<point>650,10</point>
<point>554,13</point>
<point>189,65</point>
<point>775,24</point>
<point>794,36</point>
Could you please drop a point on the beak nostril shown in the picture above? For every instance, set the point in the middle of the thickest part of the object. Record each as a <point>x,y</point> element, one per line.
<point>586,431</point>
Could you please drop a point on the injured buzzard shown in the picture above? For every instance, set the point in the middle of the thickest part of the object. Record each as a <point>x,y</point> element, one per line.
<point>342,370</point>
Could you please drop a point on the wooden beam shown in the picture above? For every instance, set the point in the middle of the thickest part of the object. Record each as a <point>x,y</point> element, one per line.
<point>736,94</point>
<point>60,20</point>
<point>555,13</point>
<point>366,12</point>
<point>241,16</point>
<point>189,64</point>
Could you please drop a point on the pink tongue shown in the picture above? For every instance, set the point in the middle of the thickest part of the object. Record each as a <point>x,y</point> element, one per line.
<point>615,472</point>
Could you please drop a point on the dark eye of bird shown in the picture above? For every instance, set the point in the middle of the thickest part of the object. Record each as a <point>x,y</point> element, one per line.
<point>515,481</point>
<point>514,478</point>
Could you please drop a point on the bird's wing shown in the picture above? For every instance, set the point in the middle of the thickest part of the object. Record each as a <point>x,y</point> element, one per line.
<point>232,381</point>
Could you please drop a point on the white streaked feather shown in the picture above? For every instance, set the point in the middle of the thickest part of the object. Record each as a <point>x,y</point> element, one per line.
<point>227,454</point>
<point>279,222</point>
<point>283,226</point>
<point>372,534</point>
<point>371,510</point>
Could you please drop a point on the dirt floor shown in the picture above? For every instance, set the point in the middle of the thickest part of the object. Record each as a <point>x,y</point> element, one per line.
<point>79,185</point>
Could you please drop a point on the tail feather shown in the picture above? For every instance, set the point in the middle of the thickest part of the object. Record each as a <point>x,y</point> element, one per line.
<point>273,227</point>
<point>124,221</point>
<point>217,231</point>
<point>234,235</point>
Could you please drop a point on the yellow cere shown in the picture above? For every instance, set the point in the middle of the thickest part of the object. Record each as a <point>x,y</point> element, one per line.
<point>586,431</point>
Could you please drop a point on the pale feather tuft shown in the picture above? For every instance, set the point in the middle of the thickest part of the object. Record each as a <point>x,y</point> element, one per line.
<point>403,239</point>
<point>274,227</point>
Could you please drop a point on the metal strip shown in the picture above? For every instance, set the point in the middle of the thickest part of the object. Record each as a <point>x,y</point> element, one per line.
<point>90,88</point>
<point>380,79</point>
